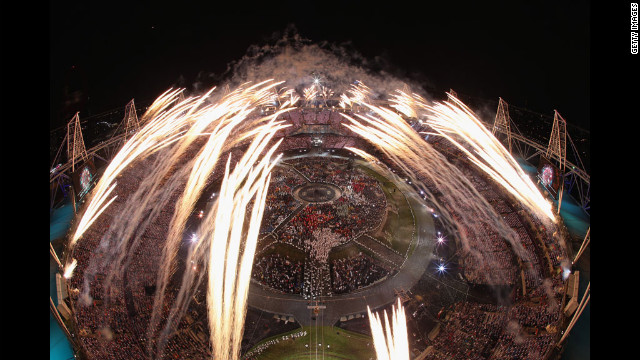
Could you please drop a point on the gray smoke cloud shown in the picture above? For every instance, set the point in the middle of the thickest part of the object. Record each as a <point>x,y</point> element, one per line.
<point>297,61</point>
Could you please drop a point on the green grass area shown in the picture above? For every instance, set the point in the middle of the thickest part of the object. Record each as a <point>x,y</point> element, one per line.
<point>335,343</point>
<point>398,228</point>
<point>344,251</point>
<point>285,250</point>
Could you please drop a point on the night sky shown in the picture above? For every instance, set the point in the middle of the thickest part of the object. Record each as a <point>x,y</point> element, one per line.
<point>535,56</point>
<point>572,56</point>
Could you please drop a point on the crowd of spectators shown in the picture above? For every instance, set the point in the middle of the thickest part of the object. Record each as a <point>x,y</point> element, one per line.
<point>319,227</point>
<point>490,268</point>
<point>317,280</point>
<point>333,119</point>
<point>341,142</point>
<point>524,329</point>
<point>115,326</point>
<point>113,329</point>
<point>489,259</point>
<point>279,272</point>
<point>280,202</point>
<point>514,347</point>
<point>295,142</point>
<point>321,242</point>
<point>361,206</point>
<point>319,169</point>
<point>488,331</point>
<point>352,273</point>
<point>534,315</point>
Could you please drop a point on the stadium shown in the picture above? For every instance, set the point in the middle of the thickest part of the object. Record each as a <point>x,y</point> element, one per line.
<point>347,224</point>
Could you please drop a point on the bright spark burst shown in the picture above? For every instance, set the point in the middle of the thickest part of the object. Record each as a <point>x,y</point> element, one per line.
<point>454,120</point>
<point>405,148</point>
<point>392,134</point>
<point>68,270</point>
<point>391,342</point>
<point>225,242</point>
<point>310,93</point>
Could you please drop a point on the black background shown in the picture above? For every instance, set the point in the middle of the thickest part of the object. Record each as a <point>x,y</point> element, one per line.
<point>571,56</point>
<point>535,56</point>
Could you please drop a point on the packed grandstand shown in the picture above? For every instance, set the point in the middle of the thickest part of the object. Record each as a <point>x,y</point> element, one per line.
<point>336,240</point>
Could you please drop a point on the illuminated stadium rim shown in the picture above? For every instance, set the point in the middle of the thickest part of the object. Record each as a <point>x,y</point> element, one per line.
<point>266,109</point>
<point>116,140</point>
<point>119,137</point>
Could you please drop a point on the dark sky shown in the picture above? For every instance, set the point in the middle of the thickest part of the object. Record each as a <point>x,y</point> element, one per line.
<point>535,56</point>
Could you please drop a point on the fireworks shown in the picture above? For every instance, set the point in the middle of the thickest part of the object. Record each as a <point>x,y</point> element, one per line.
<point>391,134</point>
<point>68,270</point>
<point>218,241</point>
<point>225,241</point>
<point>409,152</point>
<point>390,341</point>
<point>456,122</point>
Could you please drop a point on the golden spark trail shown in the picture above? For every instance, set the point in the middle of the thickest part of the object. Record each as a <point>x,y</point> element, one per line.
<point>227,303</point>
<point>161,130</point>
<point>226,116</point>
<point>204,164</point>
<point>68,271</point>
<point>392,135</point>
<point>223,256</point>
<point>226,246</point>
<point>182,148</point>
<point>310,93</point>
<point>390,341</point>
<point>453,119</point>
<point>157,133</point>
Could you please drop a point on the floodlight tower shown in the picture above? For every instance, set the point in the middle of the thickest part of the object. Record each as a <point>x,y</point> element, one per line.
<point>131,123</point>
<point>558,148</point>
<point>75,142</point>
<point>502,122</point>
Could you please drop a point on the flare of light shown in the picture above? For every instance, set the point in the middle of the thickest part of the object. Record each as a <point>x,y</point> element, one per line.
<point>229,274</point>
<point>404,103</point>
<point>225,245</point>
<point>454,120</point>
<point>290,97</point>
<point>161,130</point>
<point>390,341</point>
<point>68,271</point>
<point>326,92</point>
<point>391,134</point>
<point>310,93</point>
